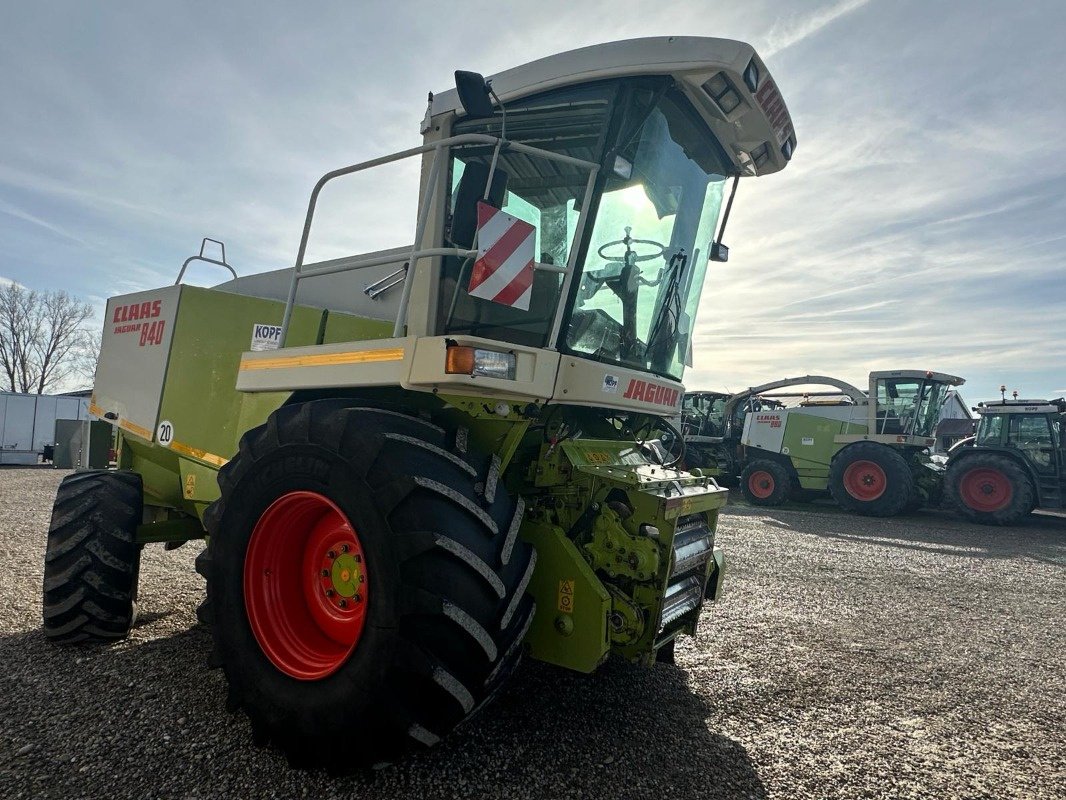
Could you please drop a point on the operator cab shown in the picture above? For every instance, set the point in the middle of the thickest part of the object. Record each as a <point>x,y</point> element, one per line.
<point>1035,428</point>
<point>564,227</point>
<point>909,403</point>
<point>702,414</point>
<point>636,238</point>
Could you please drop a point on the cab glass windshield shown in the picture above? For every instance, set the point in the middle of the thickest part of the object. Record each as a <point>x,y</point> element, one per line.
<point>640,264</point>
<point>646,260</point>
<point>909,406</point>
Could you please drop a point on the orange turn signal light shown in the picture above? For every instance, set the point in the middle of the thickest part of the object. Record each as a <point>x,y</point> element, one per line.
<point>459,360</point>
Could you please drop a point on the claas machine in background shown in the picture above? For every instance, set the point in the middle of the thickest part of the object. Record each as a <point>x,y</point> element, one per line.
<point>1015,464</point>
<point>453,456</point>
<point>869,449</point>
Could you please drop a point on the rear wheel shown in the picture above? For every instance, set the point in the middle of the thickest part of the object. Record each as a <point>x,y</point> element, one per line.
<point>92,558</point>
<point>366,584</point>
<point>765,483</point>
<point>990,489</point>
<point>871,479</point>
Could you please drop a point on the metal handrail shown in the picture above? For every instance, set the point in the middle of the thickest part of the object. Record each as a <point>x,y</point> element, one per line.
<point>299,273</point>
<point>373,290</point>
<point>201,257</point>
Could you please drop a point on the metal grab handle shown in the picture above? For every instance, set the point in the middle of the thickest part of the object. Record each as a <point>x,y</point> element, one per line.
<point>206,260</point>
<point>373,290</point>
<point>437,148</point>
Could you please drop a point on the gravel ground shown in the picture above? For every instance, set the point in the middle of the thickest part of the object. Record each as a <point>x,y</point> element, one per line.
<point>915,657</point>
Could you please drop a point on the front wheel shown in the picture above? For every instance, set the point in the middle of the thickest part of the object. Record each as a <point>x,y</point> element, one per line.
<point>765,483</point>
<point>366,584</point>
<point>990,489</point>
<point>92,557</point>
<point>871,479</point>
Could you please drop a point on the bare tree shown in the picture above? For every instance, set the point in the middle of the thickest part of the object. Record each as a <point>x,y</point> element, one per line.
<point>87,354</point>
<point>15,304</point>
<point>42,336</point>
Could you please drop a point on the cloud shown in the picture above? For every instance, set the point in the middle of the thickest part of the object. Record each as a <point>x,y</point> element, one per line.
<point>918,225</point>
<point>793,30</point>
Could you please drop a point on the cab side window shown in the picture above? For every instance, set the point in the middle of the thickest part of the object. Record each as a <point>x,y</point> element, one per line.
<point>1032,435</point>
<point>989,429</point>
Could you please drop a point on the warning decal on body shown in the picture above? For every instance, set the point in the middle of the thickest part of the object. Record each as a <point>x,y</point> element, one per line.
<point>265,337</point>
<point>566,596</point>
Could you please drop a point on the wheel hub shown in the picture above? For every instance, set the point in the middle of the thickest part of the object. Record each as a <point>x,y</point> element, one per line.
<point>343,575</point>
<point>865,480</point>
<point>305,585</point>
<point>986,490</point>
<point>761,484</point>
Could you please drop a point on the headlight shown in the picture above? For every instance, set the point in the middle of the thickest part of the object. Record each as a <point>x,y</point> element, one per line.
<point>475,361</point>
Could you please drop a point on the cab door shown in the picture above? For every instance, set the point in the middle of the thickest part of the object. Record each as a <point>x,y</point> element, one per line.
<point>1032,435</point>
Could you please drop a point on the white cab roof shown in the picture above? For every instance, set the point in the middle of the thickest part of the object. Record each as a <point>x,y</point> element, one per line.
<point>760,118</point>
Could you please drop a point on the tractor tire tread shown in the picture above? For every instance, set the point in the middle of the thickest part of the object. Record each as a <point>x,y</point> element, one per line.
<point>900,489</point>
<point>1023,494</point>
<point>782,488</point>
<point>463,573</point>
<point>92,557</point>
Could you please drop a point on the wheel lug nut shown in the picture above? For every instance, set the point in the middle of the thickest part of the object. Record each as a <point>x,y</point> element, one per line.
<point>358,598</point>
<point>329,593</point>
<point>331,554</point>
<point>325,573</point>
<point>362,578</point>
<point>358,558</point>
<point>344,548</point>
<point>344,604</point>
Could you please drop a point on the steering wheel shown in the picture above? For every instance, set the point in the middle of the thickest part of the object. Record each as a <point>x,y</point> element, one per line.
<point>630,257</point>
<point>598,279</point>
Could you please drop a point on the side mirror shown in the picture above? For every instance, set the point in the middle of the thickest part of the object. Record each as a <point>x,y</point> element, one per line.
<point>719,252</point>
<point>473,93</point>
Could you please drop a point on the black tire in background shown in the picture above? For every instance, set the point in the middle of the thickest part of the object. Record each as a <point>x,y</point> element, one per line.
<point>766,483</point>
<point>801,495</point>
<point>446,578</point>
<point>871,479</point>
<point>989,488</point>
<point>92,558</point>
<point>914,503</point>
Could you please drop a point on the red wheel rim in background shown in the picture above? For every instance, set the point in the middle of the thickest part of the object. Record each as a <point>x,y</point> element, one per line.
<point>305,585</point>
<point>986,489</point>
<point>761,484</point>
<point>865,480</point>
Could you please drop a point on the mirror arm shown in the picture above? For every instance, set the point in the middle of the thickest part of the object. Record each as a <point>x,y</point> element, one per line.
<point>500,144</point>
<point>720,252</point>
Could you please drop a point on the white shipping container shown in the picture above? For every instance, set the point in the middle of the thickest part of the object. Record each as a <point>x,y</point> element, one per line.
<point>28,423</point>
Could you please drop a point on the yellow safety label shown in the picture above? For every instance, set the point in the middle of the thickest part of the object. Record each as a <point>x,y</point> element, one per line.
<point>598,457</point>
<point>566,596</point>
<point>190,484</point>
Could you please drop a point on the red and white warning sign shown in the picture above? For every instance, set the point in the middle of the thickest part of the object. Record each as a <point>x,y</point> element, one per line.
<point>506,248</point>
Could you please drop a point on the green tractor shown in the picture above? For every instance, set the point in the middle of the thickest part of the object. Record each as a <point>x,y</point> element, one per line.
<point>869,449</point>
<point>413,466</point>
<point>1015,464</point>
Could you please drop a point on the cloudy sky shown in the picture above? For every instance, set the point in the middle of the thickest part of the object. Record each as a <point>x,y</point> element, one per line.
<point>921,224</point>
